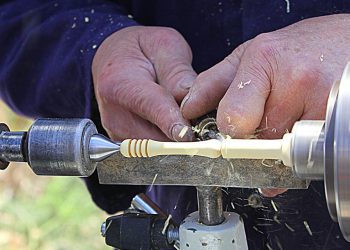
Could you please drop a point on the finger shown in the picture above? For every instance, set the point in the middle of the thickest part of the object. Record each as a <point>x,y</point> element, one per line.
<point>172,60</point>
<point>242,107</point>
<point>306,99</point>
<point>210,86</point>
<point>113,121</point>
<point>150,101</point>
<point>272,192</point>
<point>130,82</point>
<point>282,110</point>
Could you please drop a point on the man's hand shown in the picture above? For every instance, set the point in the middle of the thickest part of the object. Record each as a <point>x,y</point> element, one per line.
<point>141,74</point>
<point>275,79</point>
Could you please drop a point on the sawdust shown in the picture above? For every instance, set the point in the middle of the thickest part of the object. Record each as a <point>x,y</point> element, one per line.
<point>275,218</point>
<point>166,224</point>
<point>268,246</point>
<point>183,131</point>
<point>241,85</point>
<point>287,6</point>
<point>308,229</point>
<point>265,164</point>
<point>274,206</point>
<point>289,228</point>
<point>153,181</point>
<point>256,229</point>
<point>321,58</point>
<point>278,242</point>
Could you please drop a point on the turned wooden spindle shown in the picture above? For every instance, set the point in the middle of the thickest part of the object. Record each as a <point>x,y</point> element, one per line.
<point>229,148</point>
<point>149,148</point>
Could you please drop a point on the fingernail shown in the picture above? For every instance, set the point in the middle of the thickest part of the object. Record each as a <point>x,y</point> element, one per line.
<point>181,132</point>
<point>184,101</point>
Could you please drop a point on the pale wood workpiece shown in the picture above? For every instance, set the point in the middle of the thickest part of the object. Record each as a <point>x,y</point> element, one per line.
<point>150,148</point>
<point>228,148</point>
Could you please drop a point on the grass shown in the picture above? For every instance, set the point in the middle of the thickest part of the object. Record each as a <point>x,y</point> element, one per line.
<point>51,213</point>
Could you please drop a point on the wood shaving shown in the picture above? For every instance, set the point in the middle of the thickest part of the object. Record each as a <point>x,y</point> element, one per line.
<point>288,6</point>
<point>265,164</point>
<point>275,218</point>
<point>289,228</point>
<point>166,224</point>
<point>274,206</point>
<point>256,229</point>
<point>308,229</point>
<point>183,132</point>
<point>268,246</point>
<point>241,85</point>
<point>153,181</point>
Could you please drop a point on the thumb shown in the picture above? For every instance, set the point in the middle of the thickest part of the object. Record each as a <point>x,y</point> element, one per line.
<point>171,59</point>
<point>210,86</point>
<point>241,109</point>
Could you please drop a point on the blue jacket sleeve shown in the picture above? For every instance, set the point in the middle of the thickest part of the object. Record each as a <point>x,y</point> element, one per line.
<point>46,51</point>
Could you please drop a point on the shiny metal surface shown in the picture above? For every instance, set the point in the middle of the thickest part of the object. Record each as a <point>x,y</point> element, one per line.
<point>3,163</point>
<point>342,154</point>
<point>103,229</point>
<point>308,149</point>
<point>100,147</point>
<point>143,203</point>
<point>60,147</point>
<point>210,206</point>
<point>11,146</point>
<point>329,151</point>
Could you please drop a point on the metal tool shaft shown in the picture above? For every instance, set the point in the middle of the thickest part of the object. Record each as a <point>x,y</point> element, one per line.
<point>210,205</point>
<point>143,203</point>
<point>11,146</point>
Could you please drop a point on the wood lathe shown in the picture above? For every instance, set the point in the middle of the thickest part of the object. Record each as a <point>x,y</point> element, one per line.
<point>313,150</point>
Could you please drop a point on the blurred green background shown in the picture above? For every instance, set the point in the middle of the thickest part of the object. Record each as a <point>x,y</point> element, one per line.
<point>51,213</point>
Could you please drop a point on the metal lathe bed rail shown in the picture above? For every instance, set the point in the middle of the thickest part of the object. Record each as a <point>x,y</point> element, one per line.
<point>197,171</point>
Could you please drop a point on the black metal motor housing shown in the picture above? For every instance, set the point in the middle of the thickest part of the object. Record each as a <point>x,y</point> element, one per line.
<point>139,231</point>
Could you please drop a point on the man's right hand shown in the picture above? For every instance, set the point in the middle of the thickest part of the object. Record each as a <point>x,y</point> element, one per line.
<point>141,74</point>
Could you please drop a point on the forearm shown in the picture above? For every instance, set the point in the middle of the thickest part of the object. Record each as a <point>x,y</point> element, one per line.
<point>46,51</point>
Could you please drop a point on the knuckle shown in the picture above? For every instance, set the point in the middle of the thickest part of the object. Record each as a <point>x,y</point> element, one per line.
<point>235,57</point>
<point>266,45</point>
<point>240,49</point>
<point>168,37</point>
<point>166,32</point>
